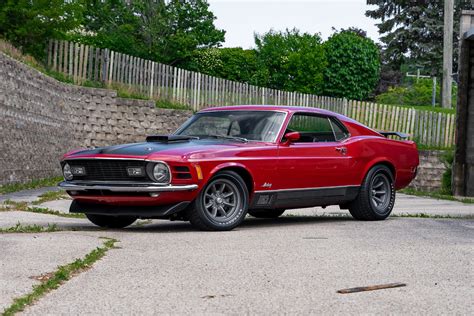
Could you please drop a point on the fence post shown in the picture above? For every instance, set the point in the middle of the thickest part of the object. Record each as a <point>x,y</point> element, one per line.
<point>55,55</point>
<point>151,78</point>
<point>50,52</point>
<point>344,106</point>
<point>111,68</point>
<point>81,62</point>
<point>105,65</point>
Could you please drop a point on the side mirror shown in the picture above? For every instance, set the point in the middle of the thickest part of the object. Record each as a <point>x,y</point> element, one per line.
<point>292,137</point>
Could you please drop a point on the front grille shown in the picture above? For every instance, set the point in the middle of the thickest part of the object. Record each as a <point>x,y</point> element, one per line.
<point>109,169</point>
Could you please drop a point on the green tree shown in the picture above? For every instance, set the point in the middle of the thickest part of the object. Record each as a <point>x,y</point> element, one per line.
<point>191,27</point>
<point>164,31</point>
<point>28,24</point>
<point>111,24</point>
<point>230,63</point>
<point>412,31</point>
<point>290,61</point>
<point>353,66</point>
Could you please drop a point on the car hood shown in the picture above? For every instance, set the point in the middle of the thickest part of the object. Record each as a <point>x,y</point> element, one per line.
<point>161,150</point>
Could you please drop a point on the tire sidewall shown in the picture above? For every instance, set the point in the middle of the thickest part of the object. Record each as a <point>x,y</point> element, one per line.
<point>370,176</point>
<point>239,216</point>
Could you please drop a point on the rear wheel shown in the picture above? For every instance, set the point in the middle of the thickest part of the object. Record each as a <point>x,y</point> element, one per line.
<point>222,204</point>
<point>376,197</point>
<point>108,221</point>
<point>266,213</point>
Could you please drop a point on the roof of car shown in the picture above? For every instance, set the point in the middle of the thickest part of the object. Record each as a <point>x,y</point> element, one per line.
<point>284,108</point>
<point>361,128</point>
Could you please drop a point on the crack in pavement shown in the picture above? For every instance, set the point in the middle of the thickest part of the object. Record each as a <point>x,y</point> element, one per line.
<point>52,280</point>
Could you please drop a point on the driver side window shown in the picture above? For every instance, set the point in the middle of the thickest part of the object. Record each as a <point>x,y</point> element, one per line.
<point>312,128</point>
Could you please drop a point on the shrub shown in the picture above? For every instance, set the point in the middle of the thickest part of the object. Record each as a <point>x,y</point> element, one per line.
<point>414,94</point>
<point>229,63</point>
<point>291,61</point>
<point>353,66</point>
<point>446,183</point>
<point>30,24</point>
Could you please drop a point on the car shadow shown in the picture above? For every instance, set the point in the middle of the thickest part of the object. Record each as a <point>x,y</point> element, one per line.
<point>294,220</point>
<point>249,223</point>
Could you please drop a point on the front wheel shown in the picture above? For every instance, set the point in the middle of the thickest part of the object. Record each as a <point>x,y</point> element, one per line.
<point>376,197</point>
<point>222,203</point>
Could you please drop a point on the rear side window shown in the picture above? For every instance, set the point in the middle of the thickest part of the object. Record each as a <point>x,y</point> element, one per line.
<point>340,132</point>
<point>312,128</point>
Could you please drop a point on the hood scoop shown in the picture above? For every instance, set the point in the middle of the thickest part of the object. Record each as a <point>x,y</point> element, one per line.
<point>168,138</point>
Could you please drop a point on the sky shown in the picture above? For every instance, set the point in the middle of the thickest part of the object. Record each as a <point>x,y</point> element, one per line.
<point>242,18</point>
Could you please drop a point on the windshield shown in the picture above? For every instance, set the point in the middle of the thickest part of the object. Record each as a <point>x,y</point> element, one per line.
<point>249,125</point>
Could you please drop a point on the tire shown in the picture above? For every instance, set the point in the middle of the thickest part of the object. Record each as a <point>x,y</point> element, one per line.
<point>372,204</point>
<point>108,221</point>
<point>222,204</point>
<point>266,213</point>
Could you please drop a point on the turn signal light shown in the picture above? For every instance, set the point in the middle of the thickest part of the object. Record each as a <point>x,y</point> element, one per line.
<point>198,172</point>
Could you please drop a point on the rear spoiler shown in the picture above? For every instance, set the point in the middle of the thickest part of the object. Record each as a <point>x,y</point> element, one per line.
<point>401,135</point>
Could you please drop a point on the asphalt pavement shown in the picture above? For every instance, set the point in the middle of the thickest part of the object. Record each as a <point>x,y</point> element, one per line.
<point>291,265</point>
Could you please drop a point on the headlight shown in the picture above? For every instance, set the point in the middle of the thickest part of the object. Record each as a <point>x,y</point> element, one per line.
<point>67,173</point>
<point>161,173</point>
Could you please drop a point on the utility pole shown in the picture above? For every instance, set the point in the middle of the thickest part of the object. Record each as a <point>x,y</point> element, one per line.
<point>447,54</point>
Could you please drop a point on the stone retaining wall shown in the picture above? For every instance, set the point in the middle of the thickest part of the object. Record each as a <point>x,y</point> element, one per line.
<point>430,171</point>
<point>41,119</point>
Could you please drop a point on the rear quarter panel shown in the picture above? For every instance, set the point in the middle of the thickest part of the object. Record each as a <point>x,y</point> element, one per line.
<point>368,151</point>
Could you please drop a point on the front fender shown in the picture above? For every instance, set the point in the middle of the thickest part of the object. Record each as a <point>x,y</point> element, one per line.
<point>239,168</point>
<point>226,165</point>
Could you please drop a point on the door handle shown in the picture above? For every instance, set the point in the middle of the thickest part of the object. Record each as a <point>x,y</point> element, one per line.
<point>342,150</point>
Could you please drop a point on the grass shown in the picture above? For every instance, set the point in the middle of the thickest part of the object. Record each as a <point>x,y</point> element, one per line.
<point>34,184</point>
<point>42,210</point>
<point>431,147</point>
<point>10,50</point>
<point>166,104</point>
<point>436,109</point>
<point>24,207</point>
<point>58,277</point>
<point>127,93</point>
<point>19,228</point>
<point>50,196</point>
<point>436,195</point>
<point>424,215</point>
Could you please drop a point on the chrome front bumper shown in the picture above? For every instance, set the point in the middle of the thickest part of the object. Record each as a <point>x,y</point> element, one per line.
<point>126,187</point>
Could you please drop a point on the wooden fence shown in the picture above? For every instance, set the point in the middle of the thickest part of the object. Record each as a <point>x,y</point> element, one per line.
<point>153,80</point>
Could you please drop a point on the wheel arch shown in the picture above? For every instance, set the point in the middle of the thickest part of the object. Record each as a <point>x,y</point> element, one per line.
<point>240,169</point>
<point>384,162</point>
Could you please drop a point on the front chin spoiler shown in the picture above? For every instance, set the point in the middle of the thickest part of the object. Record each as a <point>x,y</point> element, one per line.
<point>126,187</point>
<point>161,211</point>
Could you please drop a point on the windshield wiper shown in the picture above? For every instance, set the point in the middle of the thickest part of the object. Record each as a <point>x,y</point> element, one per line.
<point>240,139</point>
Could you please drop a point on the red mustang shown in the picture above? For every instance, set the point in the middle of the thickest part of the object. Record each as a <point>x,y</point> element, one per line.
<point>226,162</point>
